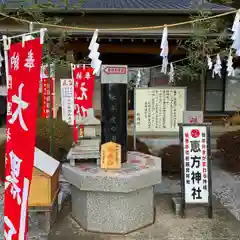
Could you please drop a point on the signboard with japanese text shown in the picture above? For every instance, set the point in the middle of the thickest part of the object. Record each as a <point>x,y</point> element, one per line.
<point>23,87</point>
<point>111,156</point>
<point>193,117</point>
<point>159,109</point>
<point>83,93</point>
<point>196,166</point>
<point>67,100</point>
<point>48,91</point>
<point>114,74</point>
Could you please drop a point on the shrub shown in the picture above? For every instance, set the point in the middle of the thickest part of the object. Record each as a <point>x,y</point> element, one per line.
<point>59,113</point>
<point>62,137</point>
<point>171,160</point>
<point>228,144</point>
<point>62,141</point>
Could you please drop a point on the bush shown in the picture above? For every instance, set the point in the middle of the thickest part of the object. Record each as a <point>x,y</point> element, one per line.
<point>62,141</point>
<point>171,160</point>
<point>228,144</point>
<point>62,137</point>
<point>59,113</point>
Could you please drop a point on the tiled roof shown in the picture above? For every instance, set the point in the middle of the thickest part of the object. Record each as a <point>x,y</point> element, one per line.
<point>123,4</point>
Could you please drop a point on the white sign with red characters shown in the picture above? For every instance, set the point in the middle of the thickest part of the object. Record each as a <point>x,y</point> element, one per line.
<point>48,91</point>
<point>114,74</point>
<point>195,157</point>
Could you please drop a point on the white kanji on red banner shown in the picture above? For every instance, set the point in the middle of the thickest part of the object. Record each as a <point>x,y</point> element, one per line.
<point>15,61</point>
<point>9,81</point>
<point>8,235</point>
<point>87,75</point>
<point>79,75</point>
<point>22,105</point>
<point>8,134</point>
<point>84,111</point>
<point>83,92</point>
<point>9,108</point>
<point>13,178</point>
<point>29,61</point>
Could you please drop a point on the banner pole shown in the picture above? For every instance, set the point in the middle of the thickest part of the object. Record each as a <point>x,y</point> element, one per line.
<point>25,34</point>
<point>6,46</point>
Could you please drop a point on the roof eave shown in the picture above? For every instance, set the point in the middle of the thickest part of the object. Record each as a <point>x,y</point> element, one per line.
<point>130,11</point>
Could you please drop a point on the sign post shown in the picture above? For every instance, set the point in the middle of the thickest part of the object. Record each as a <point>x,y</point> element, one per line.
<point>111,156</point>
<point>67,100</point>
<point>196,181</point>
<point>114,79</point>
<point>158,109</point>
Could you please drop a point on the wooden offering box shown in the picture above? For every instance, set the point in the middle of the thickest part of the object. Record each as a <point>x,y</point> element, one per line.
<point>45,180</point>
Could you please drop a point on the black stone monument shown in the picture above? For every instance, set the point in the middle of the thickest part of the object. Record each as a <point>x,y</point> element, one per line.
<point>114,115</point>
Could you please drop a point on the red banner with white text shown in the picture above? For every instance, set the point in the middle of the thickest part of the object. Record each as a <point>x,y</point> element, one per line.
<point>48,91</point>
<point>83,93</point>
<point>24,72</point>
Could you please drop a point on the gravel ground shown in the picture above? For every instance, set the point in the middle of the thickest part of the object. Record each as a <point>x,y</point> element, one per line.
<point>196,226</point>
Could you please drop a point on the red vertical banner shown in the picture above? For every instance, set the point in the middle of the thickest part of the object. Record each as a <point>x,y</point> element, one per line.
<point>83,93</point>
<point>48,91</point>
<point>24,72</point>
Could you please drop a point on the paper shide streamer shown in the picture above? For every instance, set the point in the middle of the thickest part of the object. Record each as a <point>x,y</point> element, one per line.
<point>94,54</point>
<point>164,50</point>
<point>230,69</point>
<point>209,62</point>
<point>171,74</point>
<point>217,67</point>
<point>138,80</point>
<point>236,33</point>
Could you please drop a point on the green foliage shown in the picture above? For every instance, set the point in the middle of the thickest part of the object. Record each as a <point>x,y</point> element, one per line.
<point>62,137</point>
<point>207,37</point>
<point>48,13</point>
<point>171,160</point>
<point>228,145</point>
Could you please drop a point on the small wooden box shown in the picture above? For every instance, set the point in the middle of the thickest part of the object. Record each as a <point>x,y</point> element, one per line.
<point>43,188</point>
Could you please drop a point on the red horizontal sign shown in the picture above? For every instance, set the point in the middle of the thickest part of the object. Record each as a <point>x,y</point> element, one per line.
<point>115,70</point>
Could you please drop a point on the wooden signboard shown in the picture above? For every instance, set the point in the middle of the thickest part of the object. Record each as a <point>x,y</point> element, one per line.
<point>111,156</point>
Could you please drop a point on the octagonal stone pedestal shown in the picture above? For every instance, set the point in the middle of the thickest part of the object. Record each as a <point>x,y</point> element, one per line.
<point>114,201</point>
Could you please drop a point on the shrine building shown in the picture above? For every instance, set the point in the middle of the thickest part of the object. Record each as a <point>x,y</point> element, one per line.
<point>135,48</point>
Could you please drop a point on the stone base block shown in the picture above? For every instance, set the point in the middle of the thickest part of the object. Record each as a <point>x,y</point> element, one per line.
<point>113,212</point>
<point>176,201</point>
<point>191,210</point>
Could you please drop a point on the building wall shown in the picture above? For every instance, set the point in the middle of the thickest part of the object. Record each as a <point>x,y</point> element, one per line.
<point>156,79</point>
<point>193,88</point>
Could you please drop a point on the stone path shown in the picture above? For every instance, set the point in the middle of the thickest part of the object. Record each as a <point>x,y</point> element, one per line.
<point>196,226</point>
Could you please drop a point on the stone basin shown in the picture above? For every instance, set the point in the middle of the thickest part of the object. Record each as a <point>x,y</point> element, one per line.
<point>114,201</point>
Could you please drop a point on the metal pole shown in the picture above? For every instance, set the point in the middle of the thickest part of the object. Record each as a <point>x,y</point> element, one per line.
<point>26,34</point>
<point>134,121</point>
<point>6,48</point>
<point>30,27</point>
